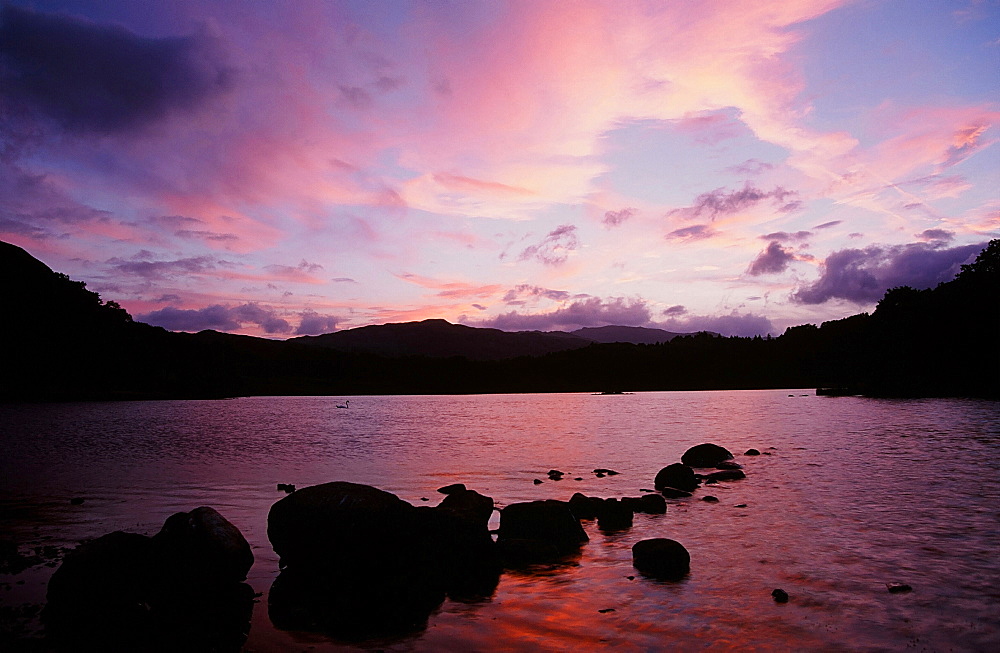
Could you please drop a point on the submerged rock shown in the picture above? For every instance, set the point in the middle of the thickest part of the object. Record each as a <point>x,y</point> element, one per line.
<point>451,489</point>
<point>897,588</point>
<point>651,504</point>
<point>705,455</point>
<point>585,507</point>
<point>672,493</point>
<point>724,475</point>
<point>661,558</point>
<point>201,547</point>
<point>752,452</point>
<point>678,476</point>
<point>779,595</point>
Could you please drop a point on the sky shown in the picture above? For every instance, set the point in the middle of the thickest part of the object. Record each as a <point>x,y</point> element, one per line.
<point>295,168</point>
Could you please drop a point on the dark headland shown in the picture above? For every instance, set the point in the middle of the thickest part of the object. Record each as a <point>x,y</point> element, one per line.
<point>62,342</point>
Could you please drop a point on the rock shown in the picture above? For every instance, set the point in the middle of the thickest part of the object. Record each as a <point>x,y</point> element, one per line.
<point>584,507</point>
<point>578,478</point>
<point>710,499</point>
<point>605,471</point>
<point>613,515</point>
<point>740,505</point>
<point>725,475</point>
<point>119,592</point>
<point>549,521</point>
<point>705,455</point>
<point>897,588</point>
<point>780,596</point>
<point>672,493</point>
<point>537,481</point>
<point>320,527</point>
<point>752,452</point>
<point>661,558</point>
<point>599,474</point>
<point>554,472</point>
<point>678,476</point>
<point>453,488</point>
<point>76,501</point>
<point>651,504</point>
<point>470,505</point>
<point>287,488</point>
<point>201,548</point>
<point>729,464</point>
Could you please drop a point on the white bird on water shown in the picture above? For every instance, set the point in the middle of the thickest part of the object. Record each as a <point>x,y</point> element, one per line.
<point>346,404</point>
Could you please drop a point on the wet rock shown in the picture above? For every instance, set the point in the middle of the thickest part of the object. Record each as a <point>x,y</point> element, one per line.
<point>320,526</point>
<point>705,455</point>
<point>708,498</point>
<point>605,471</point>
<point>549,521</point>
<point>537,481</point>
<point>779,595</point>
<point>672,493</point>
<point>752,452</point>
<point>470,505</point>
<point>599,474</point>
<point>201,548</point>
<point>584,507</point>
<point>678,476</point>
<point>661,558</point>
<point>729,464</point>
<point>122,592</point>
<point>740,505</point>
<point>725,475</point>
<point>613,515</point>
<point>453,488</point>
<point>358,561</point>
<point>76,501</point>
<point>287,488</point>
<point>651,504</point>
<point>897,588</point>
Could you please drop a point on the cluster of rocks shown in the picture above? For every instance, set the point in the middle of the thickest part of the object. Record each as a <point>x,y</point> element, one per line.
<point>354,560</point>
<point>180,589</point>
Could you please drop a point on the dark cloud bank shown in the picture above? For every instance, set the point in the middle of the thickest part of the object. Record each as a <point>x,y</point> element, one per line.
<point>863,275</point>
<point>93,78</point>
<point>232,318</point>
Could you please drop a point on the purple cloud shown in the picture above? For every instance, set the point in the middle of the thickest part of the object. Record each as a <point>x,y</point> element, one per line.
<point>773,260</point>
<point>750,167</point>
<point>827,225</point>
<point>92,78</point>
<point>164,269</point>
<point>218,317</point>
<point>615,218</point>
<point>313,324</point>
<point>734,324</point>
<point>513,295</point>
<point>720,202</point>
<point>784,235</point>
<point>941,235</point>
<point>593,311</point>
<point>863,275</point>
<point>695,232</point>
<point>554,249</point>
<point>675,310</point>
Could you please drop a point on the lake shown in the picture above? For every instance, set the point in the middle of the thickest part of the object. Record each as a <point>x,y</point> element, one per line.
<point>853,494</point>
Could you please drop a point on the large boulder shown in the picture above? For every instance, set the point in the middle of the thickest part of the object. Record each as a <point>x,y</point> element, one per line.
<point>585,507</point>
<point>661,558</point>
<point>328,526</point>
<point>550,522</point>
<point>678,476</point>
<point>201,547</point>
<point>180,590</point>
<point>705,455</point>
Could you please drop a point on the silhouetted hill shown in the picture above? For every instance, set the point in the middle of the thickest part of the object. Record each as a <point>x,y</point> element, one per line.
<point>441,339</point>
<point>631,334</point>
<point>61,342</point>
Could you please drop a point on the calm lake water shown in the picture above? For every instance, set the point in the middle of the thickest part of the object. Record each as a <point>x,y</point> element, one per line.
<point>856,493</point>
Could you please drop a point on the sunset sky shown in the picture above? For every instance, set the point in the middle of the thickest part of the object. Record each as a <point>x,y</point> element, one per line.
<point>292,168</point>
